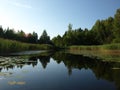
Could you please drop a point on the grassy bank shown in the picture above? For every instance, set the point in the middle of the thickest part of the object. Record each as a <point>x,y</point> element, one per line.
<point>109,52</point>
<point>96,47</point>
<point>15,46</point>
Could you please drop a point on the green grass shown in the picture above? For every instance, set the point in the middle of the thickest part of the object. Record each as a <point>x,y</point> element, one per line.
<point>111,46</point>
<point>83,47</point>
<point>108,52</point>
<point>15,46</point>
<point>97,47</point>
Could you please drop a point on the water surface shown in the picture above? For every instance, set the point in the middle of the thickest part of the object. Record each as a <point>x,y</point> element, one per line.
<point>58,71</point>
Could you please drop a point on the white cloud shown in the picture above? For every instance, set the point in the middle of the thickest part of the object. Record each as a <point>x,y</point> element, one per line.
<point>21,5</point>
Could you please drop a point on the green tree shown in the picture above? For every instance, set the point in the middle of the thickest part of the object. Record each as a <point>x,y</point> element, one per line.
<point>1,32</point>
<point>44,38</point>
<point>32,38</point>
<point>21,36</point>
<point>35,37</point>
<point>69,36</point>
<point>108,23</point>
<point>99,30</point>
<point>70,27</point>
<point>58,41</point>
<point>117,26</point>
<point>10,34</point>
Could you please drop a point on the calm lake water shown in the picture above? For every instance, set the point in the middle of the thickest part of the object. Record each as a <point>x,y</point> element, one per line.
<point>58,71</point>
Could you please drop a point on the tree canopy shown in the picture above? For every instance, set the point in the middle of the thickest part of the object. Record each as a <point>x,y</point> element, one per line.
<point>44,38</point>
<point>103,32</point>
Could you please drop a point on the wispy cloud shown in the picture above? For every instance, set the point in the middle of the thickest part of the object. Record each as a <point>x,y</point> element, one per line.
<point>21,5</point>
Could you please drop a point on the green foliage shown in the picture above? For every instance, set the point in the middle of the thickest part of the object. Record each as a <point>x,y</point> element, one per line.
<point>15,46</point>
<point>44,39</point>
<point>117,24</point>
<point>84,48</point>
<point>19,36</point>
<point>97,47</point>
<point>69,27</point>
<point>1,32</point>
<point>23,37</point>
<point>40,47</point>
<point>112,46</point>
<point>58,41</point>
<point>32,38</point>
<point>103,32</point>
<point>11,46</point>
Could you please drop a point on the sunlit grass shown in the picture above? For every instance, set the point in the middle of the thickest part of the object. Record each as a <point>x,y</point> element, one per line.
<point>108,52</point>
<point>97,47</point>
<point>115,46</point>
<point>15,46</point>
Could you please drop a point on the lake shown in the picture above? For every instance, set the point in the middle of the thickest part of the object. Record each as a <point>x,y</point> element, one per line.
<point>58,71</point>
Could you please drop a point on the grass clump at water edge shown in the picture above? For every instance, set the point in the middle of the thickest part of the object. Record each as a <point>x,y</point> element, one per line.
<point>96,47</point>
<point>15,46</point>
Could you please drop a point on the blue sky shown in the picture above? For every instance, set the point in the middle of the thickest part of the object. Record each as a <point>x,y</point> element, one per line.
<point>54,15</point>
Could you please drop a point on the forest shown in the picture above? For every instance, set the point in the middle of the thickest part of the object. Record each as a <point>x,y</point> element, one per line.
<point>23,37</point>
<point>103,32</point>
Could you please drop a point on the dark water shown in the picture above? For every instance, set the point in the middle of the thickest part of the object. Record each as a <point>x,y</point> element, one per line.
<point>59,71</point>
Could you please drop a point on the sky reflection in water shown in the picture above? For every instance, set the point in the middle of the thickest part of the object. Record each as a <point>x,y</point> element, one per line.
<point>60,71</point>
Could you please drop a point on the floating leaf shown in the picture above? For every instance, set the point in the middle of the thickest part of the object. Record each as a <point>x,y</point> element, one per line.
<point>16,83</point>
<point>21,83</point>
<point>12,82</point>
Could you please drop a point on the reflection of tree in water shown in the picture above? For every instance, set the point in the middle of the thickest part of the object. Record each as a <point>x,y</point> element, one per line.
<point>74,61</point>
<point>20,62</point>
<point>44,60</point>
<point>101,69</point>
<point>33,61</point>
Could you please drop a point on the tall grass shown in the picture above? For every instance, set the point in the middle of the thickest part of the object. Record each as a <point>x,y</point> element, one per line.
<point>97,47</point>
<point>108,52</point>
<point>115,46</point>
<point>84,47</point>
<point>15,46</point>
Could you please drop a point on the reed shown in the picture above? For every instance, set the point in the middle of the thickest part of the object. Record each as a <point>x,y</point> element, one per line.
<point>115,46</point>
<point>15,46</point>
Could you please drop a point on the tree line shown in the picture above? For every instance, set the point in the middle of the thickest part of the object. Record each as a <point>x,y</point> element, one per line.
<point>23,37</point>
<point>103,32</point>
